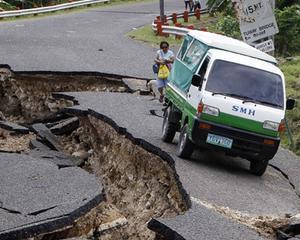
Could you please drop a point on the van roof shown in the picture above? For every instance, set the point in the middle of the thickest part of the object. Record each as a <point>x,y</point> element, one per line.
<point>245,60</point>
<point>230,44</point>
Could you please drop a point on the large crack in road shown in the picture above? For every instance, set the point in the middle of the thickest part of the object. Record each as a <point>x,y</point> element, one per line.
<point>140,180</point>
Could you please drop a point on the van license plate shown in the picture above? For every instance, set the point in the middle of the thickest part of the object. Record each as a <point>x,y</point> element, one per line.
<point>219,140</point>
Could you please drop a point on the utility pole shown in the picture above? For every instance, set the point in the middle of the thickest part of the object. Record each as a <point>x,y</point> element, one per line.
<point>162,10</point>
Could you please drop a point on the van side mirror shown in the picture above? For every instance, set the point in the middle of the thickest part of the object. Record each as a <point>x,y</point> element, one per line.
<point>197,81</point>
<point>290,104</point>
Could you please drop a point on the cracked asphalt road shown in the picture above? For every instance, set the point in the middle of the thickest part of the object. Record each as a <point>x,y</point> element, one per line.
<point>71,42</point>
<point>208,176</point>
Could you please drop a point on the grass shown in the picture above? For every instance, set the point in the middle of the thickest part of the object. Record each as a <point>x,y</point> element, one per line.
<point>146,34</point>
<point>291,70</point>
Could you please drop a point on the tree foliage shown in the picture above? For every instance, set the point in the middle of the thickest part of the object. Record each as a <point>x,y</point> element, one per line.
<point>280,4</point>
<point>229,26</point>
<point>287,41</point>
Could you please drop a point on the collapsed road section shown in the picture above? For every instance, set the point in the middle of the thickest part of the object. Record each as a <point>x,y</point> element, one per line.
<point>64,176</point>
<point>109,135</point>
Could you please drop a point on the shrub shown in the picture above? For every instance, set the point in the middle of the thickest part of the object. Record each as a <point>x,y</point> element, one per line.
<point>229,26</point>
<point>287,41</point>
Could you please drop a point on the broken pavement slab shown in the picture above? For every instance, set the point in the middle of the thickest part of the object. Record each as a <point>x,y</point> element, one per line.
<point>37,197</point>
<point>60,159</point>
<point>135,84</point>
<point>201,223</point>
<point>47,136</point>
<point>14,127</point>
<point>65,126</point>
<point>36,144</point>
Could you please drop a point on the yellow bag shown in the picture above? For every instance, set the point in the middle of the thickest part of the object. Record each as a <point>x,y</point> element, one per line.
<point>163,72</point>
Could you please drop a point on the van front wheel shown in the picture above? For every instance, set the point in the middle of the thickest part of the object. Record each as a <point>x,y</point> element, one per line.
<point>258,168</point>
<point>168,128</point>
<point>185,147</point>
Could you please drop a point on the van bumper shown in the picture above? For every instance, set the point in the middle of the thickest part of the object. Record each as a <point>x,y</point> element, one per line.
<point>245,144</point>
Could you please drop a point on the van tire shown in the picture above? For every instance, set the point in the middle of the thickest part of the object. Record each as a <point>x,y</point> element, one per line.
<point>168,128</point>
<point>185,147</point>
<point>258,168</point>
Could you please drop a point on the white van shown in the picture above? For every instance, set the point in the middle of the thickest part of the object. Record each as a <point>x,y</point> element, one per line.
<point>225,95</point>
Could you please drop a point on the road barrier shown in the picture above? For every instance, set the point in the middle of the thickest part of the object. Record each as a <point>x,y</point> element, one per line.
<point>162,29</point>
<point>35,11</point>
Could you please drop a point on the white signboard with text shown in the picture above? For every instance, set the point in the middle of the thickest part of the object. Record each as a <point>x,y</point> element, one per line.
<point>257,19</point>
<point>266,46</point>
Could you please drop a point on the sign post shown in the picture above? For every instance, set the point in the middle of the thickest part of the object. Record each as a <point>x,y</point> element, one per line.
<point>162,10</point>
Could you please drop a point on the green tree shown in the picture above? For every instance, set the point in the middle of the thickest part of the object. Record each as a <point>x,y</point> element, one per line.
<point>287,41</point>
<point>280,4</point>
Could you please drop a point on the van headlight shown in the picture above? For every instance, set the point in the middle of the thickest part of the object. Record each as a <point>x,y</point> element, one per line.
<point>271,125</point>
<point>211,110</point>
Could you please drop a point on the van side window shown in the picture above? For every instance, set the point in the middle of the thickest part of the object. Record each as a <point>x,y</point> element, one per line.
<point>197,79</point>
<point>203,68</point>
<point>186,42</point>
<point>194,54</point>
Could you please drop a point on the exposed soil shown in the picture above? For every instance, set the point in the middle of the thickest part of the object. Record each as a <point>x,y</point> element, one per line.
<point>138,183</point>
<point>264,225</point>
<point>15,143</point>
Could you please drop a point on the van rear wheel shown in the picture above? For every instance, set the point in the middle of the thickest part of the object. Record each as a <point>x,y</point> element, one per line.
<point>185,147</point>
<point>259,167</point>
<point>168,128</point>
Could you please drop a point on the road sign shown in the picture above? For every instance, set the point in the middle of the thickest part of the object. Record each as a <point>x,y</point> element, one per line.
<point>257,19</point>
<point>266,46</point>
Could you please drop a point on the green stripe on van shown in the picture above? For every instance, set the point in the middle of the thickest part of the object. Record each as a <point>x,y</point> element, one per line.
<point>176,98</point>
<point>241,123</point>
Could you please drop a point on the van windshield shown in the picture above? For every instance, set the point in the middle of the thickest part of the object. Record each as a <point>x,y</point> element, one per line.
<point>247,83</point>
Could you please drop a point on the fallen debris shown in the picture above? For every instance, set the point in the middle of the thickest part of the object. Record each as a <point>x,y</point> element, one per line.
<point>291,230</point>
<point>15,143</point>
<point>49,138</point>
<point>14,127</point>
<point>66,126</point>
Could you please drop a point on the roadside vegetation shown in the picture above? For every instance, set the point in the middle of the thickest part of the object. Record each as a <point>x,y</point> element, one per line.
<point>287,45</point>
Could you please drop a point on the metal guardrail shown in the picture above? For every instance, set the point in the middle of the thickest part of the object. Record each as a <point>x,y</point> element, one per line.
<point>175,30</point>
<point>181,31</point>
<point>32,11</point>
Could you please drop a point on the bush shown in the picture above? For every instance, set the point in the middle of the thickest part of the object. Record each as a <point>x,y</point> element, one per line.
<point>287,41</point>
<point>5,6</point>
<point>229,26</point>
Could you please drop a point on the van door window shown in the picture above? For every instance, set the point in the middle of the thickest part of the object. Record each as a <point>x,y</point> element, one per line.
<point>194,54</point>
<point>203,68</point>
<point>198,78</point>
<point>186,42</point>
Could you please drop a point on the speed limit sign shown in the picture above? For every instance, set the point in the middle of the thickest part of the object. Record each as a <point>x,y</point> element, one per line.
<point>257,19</point>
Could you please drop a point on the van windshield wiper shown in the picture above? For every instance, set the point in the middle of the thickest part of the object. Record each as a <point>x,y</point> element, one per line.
<point>229,95</point>
<point>252,100</point>
<point>264,102</point>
